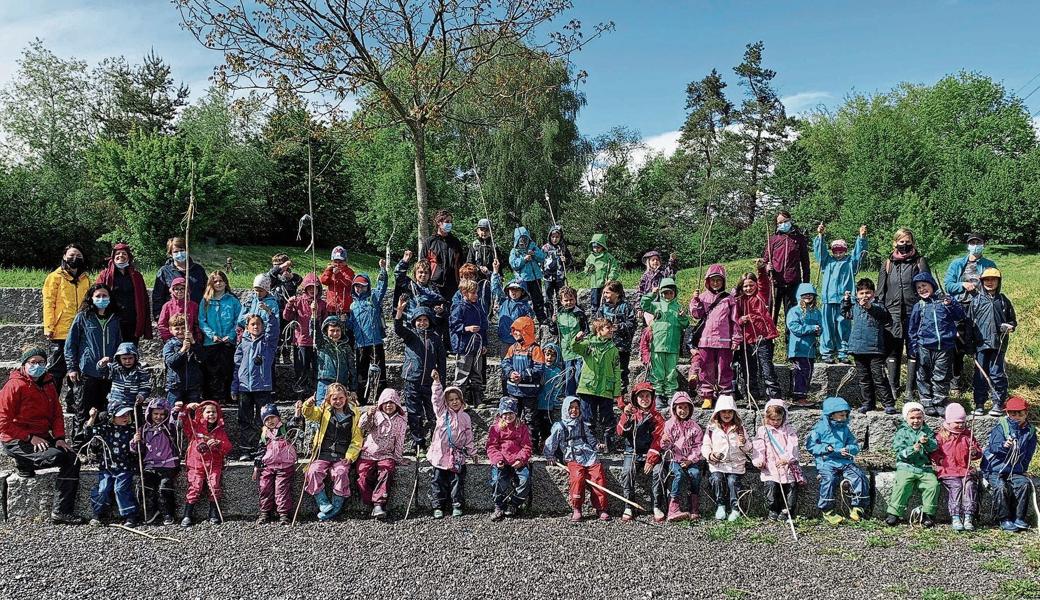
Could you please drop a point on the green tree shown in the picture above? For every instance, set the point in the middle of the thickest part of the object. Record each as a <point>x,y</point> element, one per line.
<point>140,97</point>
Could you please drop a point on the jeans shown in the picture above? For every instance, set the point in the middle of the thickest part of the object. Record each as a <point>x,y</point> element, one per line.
<point>510,485</point>
<point>120,482</point>
<point>992,362</point>
<point>599,412</point>
<point>873,383</point>
<point>632,473</point>
<point>447,488</point>
<point>725,485</point>
<point>933,376</point>
<point>830,479</point>
<point>688,477</point>
<point>249,405</point>
<point>27,460</point>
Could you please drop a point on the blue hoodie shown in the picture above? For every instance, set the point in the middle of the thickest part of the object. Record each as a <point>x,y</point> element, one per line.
<point>465,314</point>
<point>803,326</point>
<point>571,439</point>
<point>219,318</point>
<point>933,323</point>
<point>526,270</point>
<point>998,459</point>
<point>837,435</point>
<point>552,380</point>
<point>510,310</point>
<point>254,360</point>
<point>423,349</point>
<point>366,311</point>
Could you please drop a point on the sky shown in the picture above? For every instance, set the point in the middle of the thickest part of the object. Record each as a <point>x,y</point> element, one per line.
<point>822,51</point>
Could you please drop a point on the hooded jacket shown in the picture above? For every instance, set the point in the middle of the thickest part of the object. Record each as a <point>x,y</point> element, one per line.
<point>996,459</point>
<point>129,292</point>
<point>895,288</point>
<point>196,283</point>
<point>322,415</point>
<point>570,323</point>
<point>198,431</point>
<point>384,434</point>
<point>803,326</point>
<point>951,455</point>
<point>283,289</point>
<point>299,309</point>
<point>838,275</point>
<point>336,360</point>
<point>558,259</point>
<point>624,320</point>
<point>525,270</point>
<point>725,441</point>
<point>760,324</point>
<point>988,312</point>
<point>218,317</point>
<point>423,349</point>
<point>127,384</point>
<point>933,323</point>
<point>868,327</point>
<point>721,326</point>
<point>452,444</point>
<point>772,444</point>
<point>510,310</point>
<point>177,307</point>
<point>483,253</point>
<point>603,266</point>
<point>62,296</point>
<point>29,407</point>
<point>651,279</point>
<point>553,380</point>
<point>467,314</point>
<point>267,308</point>
<point>908,459</point>
<point>338,281</point>
<point>601,368</point>
<point>668,324</point>
<point>428,296</point>
<point>274,450</point>
<point>112,443</point>
<point>828,437</point>
<point>366,311</point>
<point>788,255</point>
<point>683,438</point>
<point>90,339</point>
<point>509,443</point>
<point>183,369</point>
<point>160,446</point>
<point>571,439</point>
<point>525,358</point>
<point>254,360</point>
<point>648,425</point>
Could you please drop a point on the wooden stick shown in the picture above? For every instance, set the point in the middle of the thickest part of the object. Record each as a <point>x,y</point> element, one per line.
<point>619,497</point>
<point>141,533</point>
<point>140,464</point>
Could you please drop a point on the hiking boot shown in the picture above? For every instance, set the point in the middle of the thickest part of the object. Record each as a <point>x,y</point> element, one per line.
<point>720,513</point>
<point>576,515</point>
<point>864,409</point>
<point>832,517</point>
<point>498,515</point>
<point>856,514</point>
<point>604,516</point>
<point>891,410</point>
<point>891,520</point>
<point>214,515</point>
<point>774,516</point>
<point>187,520</point>
<point>378,512</point>
<point>456,511</point>
<point>26,473</point>
<point>675,513</point>
<point>829,360</point>
<point>956,524</point>
<point>927,520</point>
<point>263,518</point>
<point>60,518</point>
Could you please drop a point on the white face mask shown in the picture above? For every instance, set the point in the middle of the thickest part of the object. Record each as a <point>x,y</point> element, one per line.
<point>122,265</point>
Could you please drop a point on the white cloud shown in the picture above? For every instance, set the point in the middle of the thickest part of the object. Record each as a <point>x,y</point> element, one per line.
<point>663,143</point>
<point>1036,125</point>
<point>802,101</point>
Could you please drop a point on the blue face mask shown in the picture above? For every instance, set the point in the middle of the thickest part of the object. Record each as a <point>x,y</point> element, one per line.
<point>976,249</point>
<point>103,302</point>
<point>35,370</point>
<point>180,256</point>
<point>784,227</point>
<point>122,265</point>
<point>447,227</point>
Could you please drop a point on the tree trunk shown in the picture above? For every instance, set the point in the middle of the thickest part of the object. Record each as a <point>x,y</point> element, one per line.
<point>422,192</point>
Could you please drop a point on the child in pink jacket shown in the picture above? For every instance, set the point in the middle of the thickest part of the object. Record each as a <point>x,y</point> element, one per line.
<point>274,465</point>
<point>727,447</point>
<point>776,456</point>
<point>720,336</point>
<point>384,426</point>
<point>952,464</point>
<point>682,437</point>
<point>177,306</point>
<point>509,450</point>
<point>452,444</point>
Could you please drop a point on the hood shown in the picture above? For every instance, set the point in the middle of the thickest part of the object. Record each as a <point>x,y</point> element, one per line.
<point>200,420</point>
<point>157,403</point>
<point>668,282</point>
<point>310,280</point>
<point>516,283</point>
<point>127,348</point>
<point>526,326</point>
<point>680,398</point>
<point>330,320</point>
<point>389,396</point>
<point>835,404</point>
<point>422,311</point>
<point>456,389</point>
<point>725,402</point>
<point>178,281</point>
<point>644,386</point>
<point>565,406</point>
<point>552,230</point>
<point>780,403</point>
<point>520,232</point>
<point>558,359</point>
<point>506,405</point>
<point>926,277</point>
<point>363,280</point>
<point>715,270</point>
<point>601,239</point>
<point>805,288</point>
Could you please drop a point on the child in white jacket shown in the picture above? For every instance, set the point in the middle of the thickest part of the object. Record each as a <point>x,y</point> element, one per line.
<point>776,456</point>
<point>727,448</point>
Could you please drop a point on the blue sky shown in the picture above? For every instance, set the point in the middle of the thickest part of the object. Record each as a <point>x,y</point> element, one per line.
<point>637,74</point>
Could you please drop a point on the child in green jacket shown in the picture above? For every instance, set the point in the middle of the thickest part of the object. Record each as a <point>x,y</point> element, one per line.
<point>600,382</point>
<point>602,266</point>
<point>913,443</point>
<point>667,329</point>
<point>572,325</point>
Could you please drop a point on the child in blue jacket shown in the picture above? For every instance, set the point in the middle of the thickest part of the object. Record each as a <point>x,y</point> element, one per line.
<point>252,383</point>
<point>553,383</point>
<point>867,345</point>
<point>513,303</point>
<point>366,321</point>
<point>335,357</point>
<point>804,326</point>
<point>933,342</point>
<point>525,258</point>
<point>183,366</point>
<point>1005,460</point>
<point>423,354</point>
<point>835,448</point>
<point>130,382</point>
<point>468,325</point>
<point>838,269</point>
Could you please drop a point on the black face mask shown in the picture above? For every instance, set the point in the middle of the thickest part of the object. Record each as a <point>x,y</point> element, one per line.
<point>73,265</point>
<point>904,248</point>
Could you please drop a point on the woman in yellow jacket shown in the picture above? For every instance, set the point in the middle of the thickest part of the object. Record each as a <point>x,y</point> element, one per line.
<point>335,448</point>
<point>63,291</point>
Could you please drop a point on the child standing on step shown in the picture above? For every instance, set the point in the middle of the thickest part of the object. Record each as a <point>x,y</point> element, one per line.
<point>720,334</point>
<point>522,368</point>
<point>384,426</point>
<point>727,448</point>
<point>113,440</point>
<point>274,465</point>
<point>683,437</point>
<point>572,442</point>
<point>600,383</point>
<point>640,429</point>
<point>366,322</point>
<point>573,326</point>
<point>835,448</point>
<point>755,354</point>
<point>468,326</point>
<point>423,354</point>
<point>933,342</point>
<point>525,258</point>
<point>804,325</point>
<point>307,310</point>
<point>335,357</point>
<point>335,447</point>
<point>451,446</point>
<point>253,382</point>
<point>550,396</point>
<point>994,320</point>
<point>952,458</point>
<point>183,365</point>
<point>615,309</point>
<point>602,267</point>
<point>177,306</point>
<point>776,456</point>
<point>161,464</point>
<point>838,269</point>
<point>867,346</point>
<point>666,337</point>
<point>509,451</point>
<point>208,445</point>
<point>913,443</point>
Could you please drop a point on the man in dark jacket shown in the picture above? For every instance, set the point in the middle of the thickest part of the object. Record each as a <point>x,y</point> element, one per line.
<point>445,252</point>
<point>787,261</point>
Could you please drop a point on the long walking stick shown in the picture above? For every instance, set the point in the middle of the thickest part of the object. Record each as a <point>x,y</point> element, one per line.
<point>415,484</point>
<point>787,507</point>
<point>140,466</point>
<point>619,497</point>
<point>314,455</point>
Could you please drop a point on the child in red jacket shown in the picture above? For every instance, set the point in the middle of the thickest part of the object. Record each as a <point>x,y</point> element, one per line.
<point>208,444</point>
<point>754,356</point>
<point>641,428</point>
<point>952,463</point>
<point>509,450</point>
<point>338,278</point>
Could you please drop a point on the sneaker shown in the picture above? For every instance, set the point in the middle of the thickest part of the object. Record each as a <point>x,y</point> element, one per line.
<point>1008,526</point>
<point>927,521</point>
<point>891,520</point>
<point>968,525</point>
<point>96,522</point>
<point>774,516</point>
<point>378,512</point>
<point>832,517</point>
<point>956,524</point>
<point>169,520</point>
<point>60,518</point>
<point>498,515</point>
<point>733,515</point>
<point>856,514</point>
<point>438,514</point>
<point>576,516</point>
<point>1022,525</point>
<point>245,458</point>
<point>658,515</point>
<point>604,516</point>
<point>457,511</point>
<point>510,510</point>
<point>132,523</point>
<point>979,412</point>
<point>284,520</point>
<point>627,515</point>
<point>996,411</point>
<point>720,513</point>
<point>865,409</point>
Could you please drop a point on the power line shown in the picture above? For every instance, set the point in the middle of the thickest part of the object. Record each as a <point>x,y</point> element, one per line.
<point>1026,84</point>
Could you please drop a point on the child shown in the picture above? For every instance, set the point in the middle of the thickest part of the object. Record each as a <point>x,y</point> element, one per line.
<point>335,358</point>
<point>641,427</point>
<point>554,268</point>
<point>161,463</point>
<point>262,303</point>
<point>338,277</point>
<point>804,324</point>
<point>550,394</point>
<point>683,437</point>
<point>602,267</point>
<point>183,367</point>
<point>423,353</point>
<point>522,369</point>
<point>835,448</point>
<point>452,444</point>
<point>115,436</point>
<point>600,382</point>
<point>572,441</point>
<point>483,254</point>
<point>366,321</point>
<point>615,309</point>
<point>755,356</point>
<point>838,270</point>
<point>306,310</point>
<point>468,325</point>
<point>252,384</point>
<point>509,451</point>
<point>421,293</point>
<point>284,285</point>
<point>867,346</point>
<point>776,456</point>
<point>720,334</point>
<point>208,445</point>
<point>572,325</point>
<point>727,447</point>
<point>957,448</point>
<point>655,271</point>
<point>994,320</point>
<point>131,384</point>
<point>913,442</point>
<point>335,447</point>
<point>384,426</point>
<point>933,342</point>
<point>176,306</point>
<point>667,330</point>
<point>526,258</point>
<point>513,303</point>
<point>218,317</point>
<point>274,464</point>
<point>1005,461</point>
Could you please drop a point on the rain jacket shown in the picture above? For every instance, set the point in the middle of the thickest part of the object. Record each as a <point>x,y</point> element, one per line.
<point>423,350</point>
<point>908,459</point>
<point>452,443</point>
<point>553,380</point>
<point>601,368</point>
<point>624,320</point>
<point>988,313</point>
<point>998,459</point>
<point>338,281</point>
<point>219,318</point>
<point>668,324</point>
<point>760,324</point>
<point>61,300</point>
<point>465,314</point>
<point>868,327</point>
<point>570,322</point>
<point>127,384</point>
<point>255,306</point>
<point>160,447</point>
<point>651,279</point>
<point>838,276</point>
<point>196,283</point>
<point>803,326</point>
<point>183,369</point>
<point>525,270</point>
<point>336,360</point>
<point>176,307</point>
<point>322,415</point>
<point>772,444</point>
<point>254,360</point>
<point>951,455</point>
<point>366,311</point>
<point>427,296</point>
<point>788,255</point>
<point>384,434</point>
<point>275,451</point>
<point>510,310</point>
<point>29,407</point>
<point>571,440</point>
<point>112,443</point>
<point>725,441</point>
<point>603,266</point>
<point>895,288</point>
<point>198,431</point>
<point>299,309</point>
<point>682,438</point>
<point>933,323</point>
<point>483,254</point>
<point>648,425</point>
<point>283,289</point>
<point>721,326</point>
<point>525,358</point>
<point>553,268</point>
<point>954,280</point>
<point>836,435</point>
<point>508,444</point>
<point>129,283</point>
<point>90,339</point>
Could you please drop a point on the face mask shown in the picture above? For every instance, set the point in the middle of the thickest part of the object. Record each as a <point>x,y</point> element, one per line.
<point>784,227</point>
<point>180,256</point>
<point>102,303</point>
<point>447,227</point>
<point>904,247</point>
<point>976,249</point>
<point>75,264</point>
<point>36,371</point>
<point>122,265</point>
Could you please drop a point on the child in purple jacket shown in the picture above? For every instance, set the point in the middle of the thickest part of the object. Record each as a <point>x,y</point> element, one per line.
<point>161,464</point>
<point>721,335</point>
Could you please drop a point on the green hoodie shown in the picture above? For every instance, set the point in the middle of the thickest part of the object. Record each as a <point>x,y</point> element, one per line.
<point>907,459</point>
<point>602,266</point>
<point>668,324</point>
<point>601,373</point>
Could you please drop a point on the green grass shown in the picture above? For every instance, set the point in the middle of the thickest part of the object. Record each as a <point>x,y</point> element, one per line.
<point>1032,555</point>
<point>727,530</point>
<point>879,540</point>
<point>941,594</point>
<point>1020,588</point>
<point>998,565</point>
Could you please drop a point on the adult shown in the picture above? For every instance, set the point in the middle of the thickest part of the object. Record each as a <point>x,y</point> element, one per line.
<point>445,254</point>
<point>179,264</point>
<point>897,293</point>
<point>93,339</point>
<point>962,277</point>
<point>63,290</point>
<point>128,291</point>
<point>787,262</point>
<point>32,431</point>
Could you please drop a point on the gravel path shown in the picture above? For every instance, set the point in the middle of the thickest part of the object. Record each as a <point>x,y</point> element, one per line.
<point>525,558</point>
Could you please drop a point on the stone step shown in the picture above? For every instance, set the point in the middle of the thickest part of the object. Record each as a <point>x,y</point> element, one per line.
<point>30,499</point>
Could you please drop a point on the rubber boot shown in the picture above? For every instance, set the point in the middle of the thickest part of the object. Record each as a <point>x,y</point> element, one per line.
<point>322,499</point>
<point>188,515</point>
<point>911,379</point>
<point>892,365</point>
<point>675,513</point>
<point>214,514</point>
<point>695,507</point>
